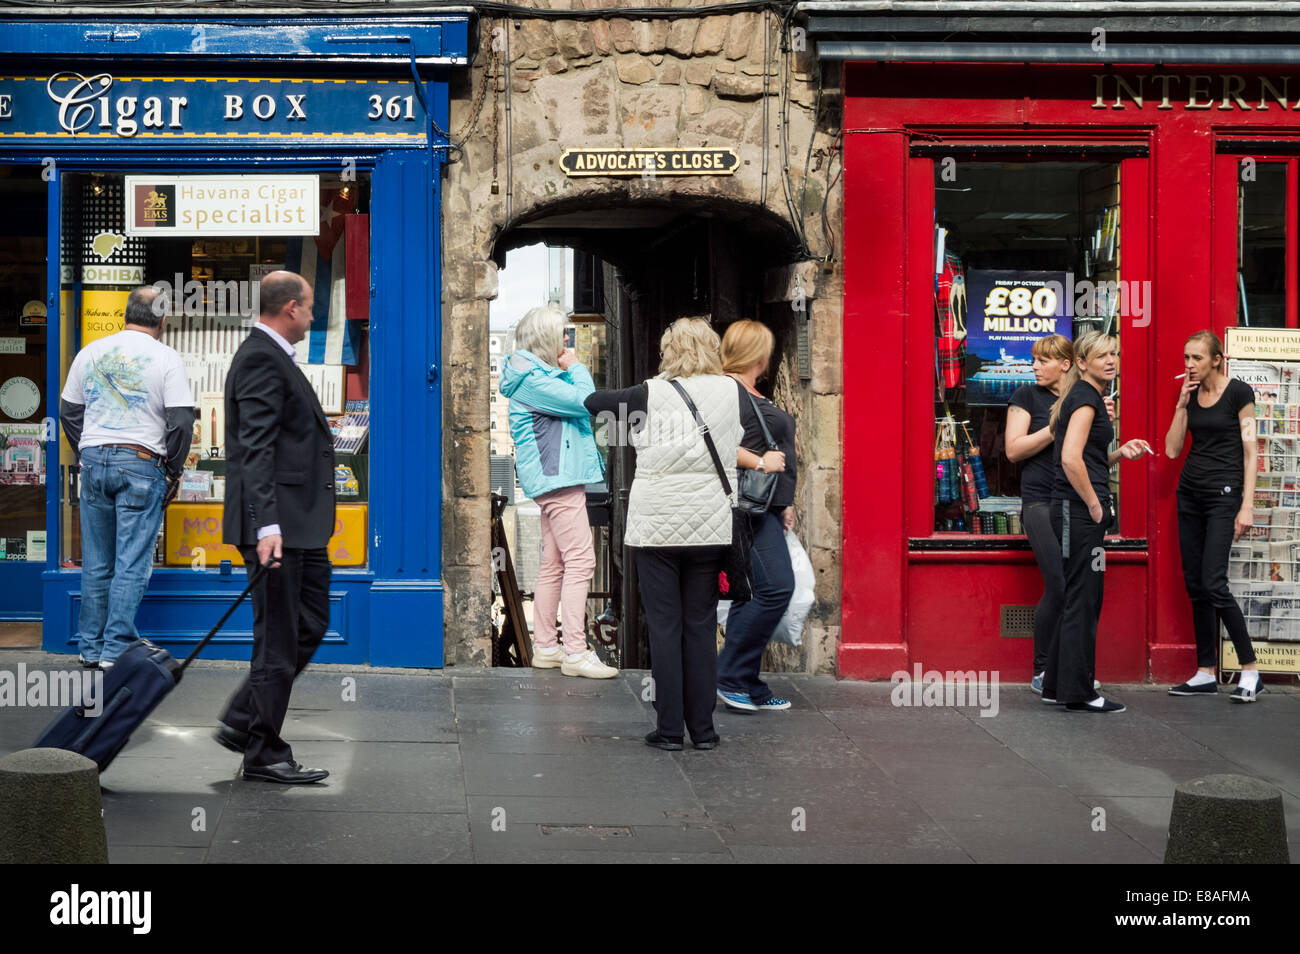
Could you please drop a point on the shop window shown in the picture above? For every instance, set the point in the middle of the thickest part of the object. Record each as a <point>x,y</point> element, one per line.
<point>1022,250</point>
<point>1261,245</point>
<point>23,392</point>
<point>212,283</point>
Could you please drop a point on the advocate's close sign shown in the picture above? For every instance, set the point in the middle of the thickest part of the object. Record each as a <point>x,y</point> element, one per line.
<point>222,205</point>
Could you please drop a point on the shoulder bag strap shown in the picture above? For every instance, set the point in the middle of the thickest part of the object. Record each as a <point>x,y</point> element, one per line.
<point>704,432</point>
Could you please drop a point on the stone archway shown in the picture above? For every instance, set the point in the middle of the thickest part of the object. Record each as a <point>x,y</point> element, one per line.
<point>689,81</point>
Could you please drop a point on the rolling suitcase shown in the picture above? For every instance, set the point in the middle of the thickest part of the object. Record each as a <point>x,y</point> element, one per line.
<point>140,679</point>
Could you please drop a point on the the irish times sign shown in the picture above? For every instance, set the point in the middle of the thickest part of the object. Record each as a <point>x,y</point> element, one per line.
<point>647,163</point>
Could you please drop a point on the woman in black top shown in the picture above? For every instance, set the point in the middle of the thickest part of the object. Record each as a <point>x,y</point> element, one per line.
<point>746,353</point>
<point>1216,496</point>
<point>1029,440</point>
<point>1081,514</point>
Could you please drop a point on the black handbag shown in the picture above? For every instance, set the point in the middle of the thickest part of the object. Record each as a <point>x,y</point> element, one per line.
<point>736,580</point>
<point>755,491</point>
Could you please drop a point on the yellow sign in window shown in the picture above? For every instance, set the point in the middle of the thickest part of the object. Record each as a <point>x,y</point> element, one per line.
<point>194,536</point>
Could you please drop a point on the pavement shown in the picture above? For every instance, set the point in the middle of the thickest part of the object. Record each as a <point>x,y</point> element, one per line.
<point>500,765</point>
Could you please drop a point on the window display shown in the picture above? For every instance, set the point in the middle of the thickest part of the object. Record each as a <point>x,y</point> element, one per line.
<point>1023,250</point>
<point>211,288</point>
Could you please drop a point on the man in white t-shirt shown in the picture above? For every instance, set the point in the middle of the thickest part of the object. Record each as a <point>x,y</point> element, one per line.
<point>128,413</point>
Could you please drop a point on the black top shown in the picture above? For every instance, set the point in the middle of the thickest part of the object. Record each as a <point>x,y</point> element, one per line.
<point>1095,451</point>
<point>1216,460</point>
<point>781,426</point>
<point>620,403</point>
<point>1038,472</point>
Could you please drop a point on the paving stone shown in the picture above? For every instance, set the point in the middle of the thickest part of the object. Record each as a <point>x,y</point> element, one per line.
<point>650,809</point>
<point>155,855</point>
<point>371,777</point>
<point>593,841</point>
<point>1038,842</point>
<point>161,820</point>
<point>1095,776</point>
<point>262,836</point>
<point>546,775</point>
<point>847,854</point>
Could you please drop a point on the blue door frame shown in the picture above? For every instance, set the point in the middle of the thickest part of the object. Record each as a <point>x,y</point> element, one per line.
<point>391,612</point>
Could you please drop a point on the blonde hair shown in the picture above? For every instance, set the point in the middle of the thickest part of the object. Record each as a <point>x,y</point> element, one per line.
<point>1085,346</point>
<point>1054,348</point>
<point>746,343</point>
<point>540,332</point>
<point>689,347</point>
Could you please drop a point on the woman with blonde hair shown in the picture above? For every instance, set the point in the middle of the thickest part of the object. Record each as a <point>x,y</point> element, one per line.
<point>1216,505</point>
<point>746,356</point>
<point>1081,515</point>
<point>556,457</point>
<point>679,519</point>
<point>1029,442</point>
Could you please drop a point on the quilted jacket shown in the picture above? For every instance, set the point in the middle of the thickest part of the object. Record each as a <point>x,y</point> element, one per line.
<point>677,499</point>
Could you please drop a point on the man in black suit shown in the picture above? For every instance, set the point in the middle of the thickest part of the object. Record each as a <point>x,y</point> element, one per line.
<point>279,511</point>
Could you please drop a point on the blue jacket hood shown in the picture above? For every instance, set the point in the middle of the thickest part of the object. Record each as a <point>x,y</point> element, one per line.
<point>512,376</point>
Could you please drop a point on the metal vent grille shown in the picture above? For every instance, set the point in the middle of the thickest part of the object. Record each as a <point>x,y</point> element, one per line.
<point>803,347</point>
<point>1017,621</point>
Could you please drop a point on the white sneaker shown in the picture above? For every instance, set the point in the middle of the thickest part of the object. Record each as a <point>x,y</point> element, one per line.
<point>548,658</point>
<point>589,665</point>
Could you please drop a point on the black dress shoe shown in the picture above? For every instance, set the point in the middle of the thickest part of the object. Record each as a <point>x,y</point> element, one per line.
<point>663,742</point>
<point>232,739</point>
<point>705,743</point>
<point>290,773</point>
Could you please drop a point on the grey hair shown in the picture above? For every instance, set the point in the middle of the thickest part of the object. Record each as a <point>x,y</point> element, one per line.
<point>144,309</point>
<point>541,332</point>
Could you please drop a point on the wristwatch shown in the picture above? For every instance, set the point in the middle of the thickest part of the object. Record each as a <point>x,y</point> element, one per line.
<point>762,465</point>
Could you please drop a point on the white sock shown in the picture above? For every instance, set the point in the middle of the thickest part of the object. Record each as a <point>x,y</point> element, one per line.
<point>1201,678</point>
<point>1098,702</point>
<point>574,657</point>
<point>1250,679</point>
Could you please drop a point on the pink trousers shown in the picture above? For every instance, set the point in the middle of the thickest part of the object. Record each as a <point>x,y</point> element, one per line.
<point>568,564</point>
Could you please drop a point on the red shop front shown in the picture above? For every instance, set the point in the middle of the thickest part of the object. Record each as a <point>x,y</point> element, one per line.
<point>1161,200</point>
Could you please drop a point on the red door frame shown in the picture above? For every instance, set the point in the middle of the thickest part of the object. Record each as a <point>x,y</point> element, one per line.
<point>902,606</point>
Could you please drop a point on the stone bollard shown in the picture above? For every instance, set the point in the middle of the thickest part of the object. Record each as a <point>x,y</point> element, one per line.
<point>50,811</point>
<point>1227,819</point>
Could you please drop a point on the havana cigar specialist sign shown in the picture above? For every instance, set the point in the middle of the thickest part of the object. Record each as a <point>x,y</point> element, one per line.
<point>69,106</point>
<point>674,161</point>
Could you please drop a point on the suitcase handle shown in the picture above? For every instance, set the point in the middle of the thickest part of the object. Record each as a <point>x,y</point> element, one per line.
<point>253,578</point>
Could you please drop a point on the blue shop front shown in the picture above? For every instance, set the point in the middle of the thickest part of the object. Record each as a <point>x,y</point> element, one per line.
<point>196,156</point>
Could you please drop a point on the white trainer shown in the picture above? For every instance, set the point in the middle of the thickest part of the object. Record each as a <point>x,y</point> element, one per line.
<point>550,658</point>
<point>589,665</point>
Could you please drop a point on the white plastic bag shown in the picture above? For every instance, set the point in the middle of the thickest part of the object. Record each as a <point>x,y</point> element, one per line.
<point>790,629</point>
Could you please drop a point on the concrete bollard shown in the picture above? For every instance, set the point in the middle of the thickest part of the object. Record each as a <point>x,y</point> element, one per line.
<point>50,810</point>
<point>1227,819</point>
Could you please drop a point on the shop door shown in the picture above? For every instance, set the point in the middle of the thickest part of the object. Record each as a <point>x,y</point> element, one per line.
<point>24,390</point>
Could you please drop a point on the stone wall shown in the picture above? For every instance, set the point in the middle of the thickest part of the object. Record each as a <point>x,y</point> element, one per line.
<point>541,86</point>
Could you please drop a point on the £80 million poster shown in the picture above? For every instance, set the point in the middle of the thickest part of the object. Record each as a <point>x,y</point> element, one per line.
<point>1009,311</point>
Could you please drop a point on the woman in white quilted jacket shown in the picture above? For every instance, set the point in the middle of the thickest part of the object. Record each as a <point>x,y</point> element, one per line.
<point>679,520</point>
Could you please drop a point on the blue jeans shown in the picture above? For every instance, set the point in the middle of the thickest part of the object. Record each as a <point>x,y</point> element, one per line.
<point>750,624</point>
<point>121,509</point>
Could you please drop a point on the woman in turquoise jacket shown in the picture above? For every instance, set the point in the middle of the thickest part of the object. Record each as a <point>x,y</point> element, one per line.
<point>555,458</point>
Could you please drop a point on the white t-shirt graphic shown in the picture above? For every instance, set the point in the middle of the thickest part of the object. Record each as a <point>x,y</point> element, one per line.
<point>125,382</point>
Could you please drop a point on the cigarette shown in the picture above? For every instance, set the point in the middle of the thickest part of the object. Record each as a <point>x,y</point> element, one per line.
<point>1179,377</point>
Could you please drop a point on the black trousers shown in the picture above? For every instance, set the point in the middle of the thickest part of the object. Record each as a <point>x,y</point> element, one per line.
<point>1037,518</point>
<point>291,611</point>
<point>679,590</point>
<point>1205,526</point>
<point>1072,654</point>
